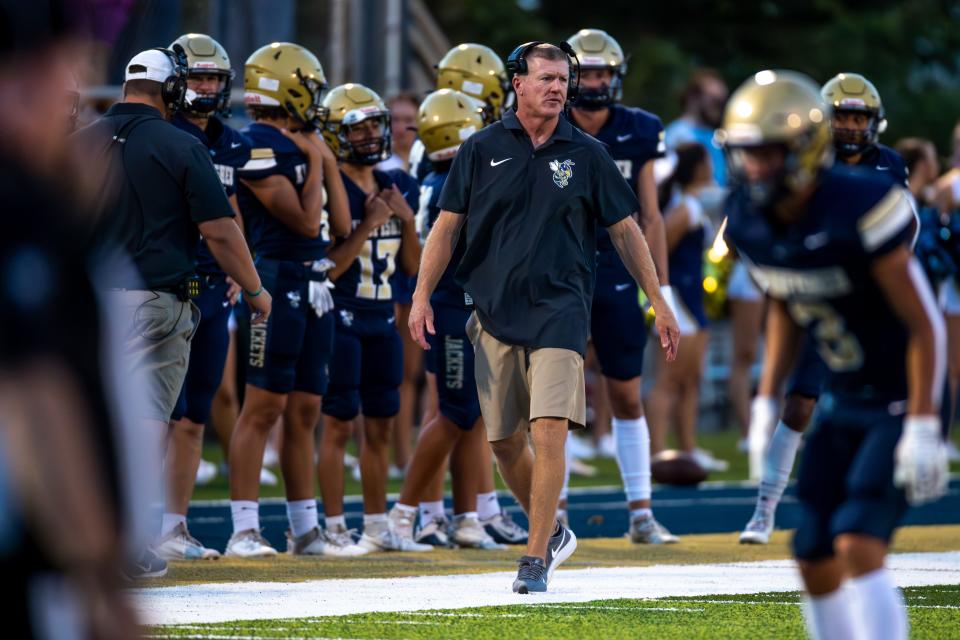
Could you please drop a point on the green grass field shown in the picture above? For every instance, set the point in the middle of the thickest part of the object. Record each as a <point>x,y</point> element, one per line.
<point>934,614</point>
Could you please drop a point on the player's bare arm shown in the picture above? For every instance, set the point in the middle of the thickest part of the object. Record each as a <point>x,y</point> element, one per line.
<point>630,244</point>
<point>651,222</point>
<point>780,349</point>
<point>433,262</point>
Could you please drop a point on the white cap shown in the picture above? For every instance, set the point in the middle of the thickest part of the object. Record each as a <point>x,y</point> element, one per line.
<point>150,65</point>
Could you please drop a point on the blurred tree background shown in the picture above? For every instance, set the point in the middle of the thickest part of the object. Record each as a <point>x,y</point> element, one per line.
<point>910,50</point>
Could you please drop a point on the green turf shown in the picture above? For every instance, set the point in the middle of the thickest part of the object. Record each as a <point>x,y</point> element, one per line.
<point>723,444</point>
<point>934,614</point>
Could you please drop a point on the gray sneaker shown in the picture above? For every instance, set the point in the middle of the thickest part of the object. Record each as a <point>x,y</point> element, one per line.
<point>468,532</point>
<point>504,530</point>
<point>560,546</point>
<point>646,530</point>
<point>178,544</point>
<point>531,576</point>
<point>317,542</point>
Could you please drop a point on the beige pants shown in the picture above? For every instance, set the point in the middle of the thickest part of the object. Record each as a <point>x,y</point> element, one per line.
<point>158,329</point>
<point>517,385</point>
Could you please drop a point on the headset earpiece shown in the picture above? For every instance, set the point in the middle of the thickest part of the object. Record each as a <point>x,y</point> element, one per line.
<point>173,89</point>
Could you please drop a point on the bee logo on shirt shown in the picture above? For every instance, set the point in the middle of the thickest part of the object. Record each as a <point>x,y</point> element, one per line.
<point>562,172</point>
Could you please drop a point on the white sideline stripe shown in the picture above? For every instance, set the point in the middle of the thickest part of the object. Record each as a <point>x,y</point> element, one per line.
<point>205,603</point>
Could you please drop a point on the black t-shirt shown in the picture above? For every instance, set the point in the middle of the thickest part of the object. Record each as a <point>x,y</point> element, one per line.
<point>162,185</point>
<point>530,258</point>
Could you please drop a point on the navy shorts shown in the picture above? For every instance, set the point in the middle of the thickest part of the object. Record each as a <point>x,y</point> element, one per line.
<point>451,358</point>
<point>208,352</point>
<point>367,366</point>
<point>810,372</point>
<point>618,328</point>
<point>845,481</point>
<point>292,352</point>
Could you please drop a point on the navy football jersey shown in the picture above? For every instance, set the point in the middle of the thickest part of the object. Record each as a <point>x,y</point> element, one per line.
<point>448,292</point>
<point>820,267</point>
<point>634,137</point>
<point>886,162</point>
<point>273,154</point>
<point>229,150</point>
<point>369,282</point>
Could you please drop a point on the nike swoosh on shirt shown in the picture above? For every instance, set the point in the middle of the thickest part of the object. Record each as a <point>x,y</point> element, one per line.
<point>498,162</point>
<point>621,287</point>
<point>234,145</point>
<point>883,168</point>
<point>624,138</point>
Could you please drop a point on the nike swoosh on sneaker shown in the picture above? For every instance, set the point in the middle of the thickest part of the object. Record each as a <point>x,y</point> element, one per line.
<point>498,162</point>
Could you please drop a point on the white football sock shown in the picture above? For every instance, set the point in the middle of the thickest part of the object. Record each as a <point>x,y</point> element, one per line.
<point>831,616</point>
<point>632,438</point>
<point>641,513</point>
<point>777,464</point>
<point>302,515</point>
<point>335,522</point>
<point>374,523</point>
<point>488,505</point>
<point>880,607</point>
<point>431,510</point>
<point>245,515</point>
<point>406,509</point>
<point>170,522</point>
<point>764,413</point>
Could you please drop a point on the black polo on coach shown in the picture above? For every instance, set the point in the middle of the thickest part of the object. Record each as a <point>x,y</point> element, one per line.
<point>163,185</point>
<point>531,228</point>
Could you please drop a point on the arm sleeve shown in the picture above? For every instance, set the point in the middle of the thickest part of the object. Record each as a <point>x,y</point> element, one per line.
<point>202,188</point>
<point>613,199</point>
<point>455,196</point>
<point>889,223</point>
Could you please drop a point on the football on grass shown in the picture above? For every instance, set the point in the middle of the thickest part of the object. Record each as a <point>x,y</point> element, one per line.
<point>676,468</point>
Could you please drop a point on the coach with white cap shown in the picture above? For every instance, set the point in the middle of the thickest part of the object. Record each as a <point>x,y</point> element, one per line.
<point>161,193</point>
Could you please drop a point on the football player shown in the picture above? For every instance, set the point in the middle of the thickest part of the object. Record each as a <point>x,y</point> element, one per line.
<point>447,118</point>
<point>831,248</point>
<point>281,193</point>
<point>856,121</point>
<point>210,77</point>
<point>635,139</point>
<point>367,365</point>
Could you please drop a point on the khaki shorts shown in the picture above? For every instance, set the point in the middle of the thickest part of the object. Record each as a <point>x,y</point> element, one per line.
<point>156,345</point>
<point>517,385</point>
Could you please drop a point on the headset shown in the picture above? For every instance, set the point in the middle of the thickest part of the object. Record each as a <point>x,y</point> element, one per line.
<point>517,64</point>
<point>173,90</point>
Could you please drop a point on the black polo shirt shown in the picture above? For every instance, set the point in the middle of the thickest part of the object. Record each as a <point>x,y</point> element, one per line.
<point>161,184</point>
<point>531,229</point>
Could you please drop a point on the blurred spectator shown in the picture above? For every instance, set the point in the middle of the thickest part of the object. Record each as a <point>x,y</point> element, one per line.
<point>403,127</point>
<point>703,101</point>
<point>674,397</point>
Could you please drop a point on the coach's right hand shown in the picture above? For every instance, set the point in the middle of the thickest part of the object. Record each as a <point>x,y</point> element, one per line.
<point>261,305</point>
<point>421,321</point>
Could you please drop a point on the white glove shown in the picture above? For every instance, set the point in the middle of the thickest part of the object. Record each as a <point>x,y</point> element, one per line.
<point>764,415</point>
<point>318,292</point>
<point>920,460</point>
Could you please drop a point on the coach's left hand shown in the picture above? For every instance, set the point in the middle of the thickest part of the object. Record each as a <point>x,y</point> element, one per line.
<point>667,328</point>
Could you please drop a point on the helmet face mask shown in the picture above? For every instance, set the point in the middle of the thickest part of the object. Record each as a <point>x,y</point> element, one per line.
<point>206,57</point>
<point>847,94</point>
<point>595,98</point>
<point>597,50</point>
<point>357,125</point>
<point>852,140</point>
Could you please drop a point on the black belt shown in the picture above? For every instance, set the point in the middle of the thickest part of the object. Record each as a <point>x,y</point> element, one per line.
<point>185,290</point>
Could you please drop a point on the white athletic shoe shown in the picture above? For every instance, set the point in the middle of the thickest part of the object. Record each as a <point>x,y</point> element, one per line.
<point>759,528</point>
<point>580,448</point>
<point>646,530</point>
<point>401,523</point>
<point>206,472</point>
<point>267,478</point>
<point>248,544</point>
<point>271,457</point>
<point>396,473</point>
<point>469,533</point>
<point>607,447</point>
<point>318,542</point>
<point>504,530</point>
<point>350,460</point>
<point>380,537</point>
<point>435,533</point>
<point>706,460</point>
<point>178,544</point>
<point>580,468</point>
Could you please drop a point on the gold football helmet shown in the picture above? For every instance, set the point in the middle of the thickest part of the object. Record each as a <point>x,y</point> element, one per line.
<point>347,106</point>
<point>778,108</point>
<point>597,49</point>
<point>205,56</point>
<point>288,76</point>
<point>446,118</point>
<point>477,71</point>
<point>853,92</point>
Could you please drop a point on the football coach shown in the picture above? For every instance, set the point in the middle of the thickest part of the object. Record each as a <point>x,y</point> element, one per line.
<point>531,190</point>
